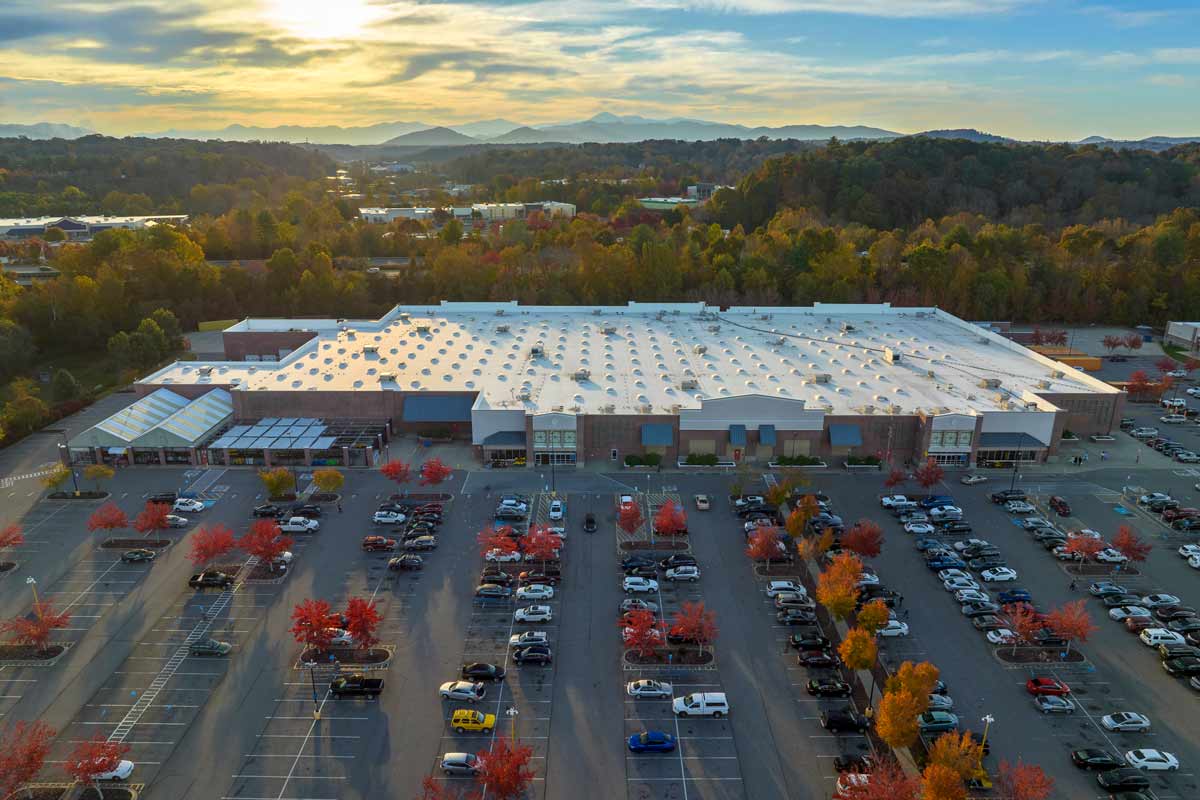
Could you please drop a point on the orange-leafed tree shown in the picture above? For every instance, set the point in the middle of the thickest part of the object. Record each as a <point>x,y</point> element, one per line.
<point>896,722</point>
<point>873,616</point>
<point>958,751</point>
<point>362,622</point>
<point>210,543</point>
<point>837,585</point>
<point>396,471</point>
<point>1023,781</point>
<point>311,623</point>
<point>1111,343</point>
<point>152,518</point>
<point>943,783</point>
<point>896,477</point>
<point>107,518</point>
<point>434,472</point>
<point>23,751</point>
<point>805,510</point>
<point>858,650</point>
<point>497,539</point>
<point>540,545</point>
<point>640,633</point>
<point>278,481</point>
<point>888,782</point>
<point>780,493</point>
<point>35,630</point>
<point>670,519</point>
<point>1083,548</point>
<point>264,541</point>
<point>864,538</point>
<point>1130,545</point>
<point>1023,622</point>
<point>920,678</point>
<point>1165,365</point>
<point>1132,341</point>
<point>505,773</point>
<point>1072,622</point>
<point>695,622</point>
<point>929,474</point>
<point>1139,384</point>
<point>93,757</point>
<point>11,536</point>
<point>630,517</point>
<point>763,544</point>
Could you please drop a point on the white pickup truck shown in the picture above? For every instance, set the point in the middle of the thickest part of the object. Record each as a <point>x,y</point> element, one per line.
<point>300,525</point>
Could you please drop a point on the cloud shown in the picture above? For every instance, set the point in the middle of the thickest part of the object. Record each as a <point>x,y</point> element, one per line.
<point>1119,58</point>
<point>1124,18</point>
<point>864,8</point>
<point>940,41</point>
<point>1177,55</point>
<point>1171,81</point>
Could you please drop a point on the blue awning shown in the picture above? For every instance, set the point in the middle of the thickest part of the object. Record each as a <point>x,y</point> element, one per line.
<point>737,435</point>
<point>438,408</point>
<point>505,439</point>
<point>845,435</point>
<point>766,434</point>
<point>1011,440</point>
<point>658,434</point>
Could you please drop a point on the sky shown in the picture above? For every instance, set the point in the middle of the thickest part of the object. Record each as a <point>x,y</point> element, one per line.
<point>1030,69</point>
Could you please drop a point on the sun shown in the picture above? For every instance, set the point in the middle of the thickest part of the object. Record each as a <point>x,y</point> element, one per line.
<point>322,19</point>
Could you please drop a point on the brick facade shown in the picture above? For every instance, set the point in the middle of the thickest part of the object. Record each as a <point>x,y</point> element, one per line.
<point>239,344</point>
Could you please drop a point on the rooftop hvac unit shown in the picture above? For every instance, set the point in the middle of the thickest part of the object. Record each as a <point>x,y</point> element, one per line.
<point>868,409</point>
<point>778,341</point>
<point>819,377</point>
<point>1056,374</point>
<point>387,377</point>
<point>660,315</point>
<point>423,329</point>
<point>524,396</point>
<point>537,351</point>
<point>556,408</point>
<point>990,383</point>
<point>405,316</point>
<point>929,374</point>
<point>891,356</point>
<point>205,370</point>
<point>609,330</point>
<point>765,317</point>
<point>609,409</point>
<point>595,312</point>
<point>646,409</point>
<point>1043,384</point>
<point>370,348</point>
<point>700,349</point>
<point>714,328</point>
<point>1003,400</point>
<point>499,312</point>
<point>689,385</point>
<point>896,409</point>
<point>501,329</point>
<point>581,375</point>
<point>676,408</point>
<point>984,340</point>
<point>847,327</point>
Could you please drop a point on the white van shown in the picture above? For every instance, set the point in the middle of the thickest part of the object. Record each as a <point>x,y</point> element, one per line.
<point>1172,419</point>
<point>1153,637</point>
<point>701,704</point>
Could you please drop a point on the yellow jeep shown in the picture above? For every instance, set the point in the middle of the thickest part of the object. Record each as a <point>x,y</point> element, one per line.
<point>466,719</point>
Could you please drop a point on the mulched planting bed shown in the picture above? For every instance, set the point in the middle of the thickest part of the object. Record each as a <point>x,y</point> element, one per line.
<point>134,544</point>
<point>685,656</point>
<point>110,793</point>
<point>27,652</point>
<point>346,656</point>
<point>1038,655</point>
<point>5,566</point>
<point>80,496</point>
<point>658,544</point>
<point>58,792</point>
<point>1092,570</point>
<point>324,497</point>
<point>262,572</point>
<point>283,498</point>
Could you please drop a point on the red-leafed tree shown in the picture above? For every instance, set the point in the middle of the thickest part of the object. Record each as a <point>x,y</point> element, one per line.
<point>23,751</point>
<point>152,518</point>
<point>432,790</point>
<point>1130,545</point>
<point>93,757</point>
<point>1132,341</point>
<point>504,773</point>
<point>630,518</point>
<point>11,536</point>
<point>362,622</point>
<point>888,782</point>
<point>311,621</point>
<point>1056,337</point>
<point>495,539</point>
<point>107,518</point>
<point>695,622</point>
<point>640,634</point>
<point>929,474</point>
<point>1111,343</point>
<point>763,544</point>
<point>1023,623</point>
<point>670,520</point>
<point>1023,781</point>
<point>35,630</point>
<point>1072,622</point>
<point>1139,384</point>
<point>1084,547</point>
<point>1165,365</point>
<point>210,542</point>
<point>1163,386</point>
<point>540,545</point>
<point>895,478</point>
<point>864,538</point>
<point>434,472</point>
<point>396,471</point>
<point>264,541</point>
<point>1037,337</point>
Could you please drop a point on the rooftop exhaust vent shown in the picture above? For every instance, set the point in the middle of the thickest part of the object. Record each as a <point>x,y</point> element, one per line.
<point>499,312</point>
<point>501,329</point>
<point>537,350</point>
<point>205,370</point>
<point>990,383</point>
<point>609,330</point>
<point>700,349</point>
<point>819,377</point>
<point>689,385</point>
<point>847,327</point>
<point>423,329</point>
<point>891,356</point>
<point>581,375</point>
<point>387,377</point>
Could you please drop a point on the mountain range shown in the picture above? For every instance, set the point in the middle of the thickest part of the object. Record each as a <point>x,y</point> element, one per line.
<point>43,130</point>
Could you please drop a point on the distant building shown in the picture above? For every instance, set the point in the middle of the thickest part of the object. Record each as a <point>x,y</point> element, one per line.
<point>28,274</point>
<point>78,228</point>
<point>1183,334</point>
<point>393,168</point>
<point>702,191</point>
<point>490,212</point>
<point>667,203</point>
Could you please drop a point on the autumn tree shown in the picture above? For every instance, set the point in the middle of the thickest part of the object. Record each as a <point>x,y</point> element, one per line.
<point>328,480</point>
<point>311,623</point>
<point>1071,621</point>
<point>1130,545</point>
<point>431,789</point>
<point>865,538</point>
<point>1023,781</point>
<point>640,633</point>
<point>920,678</point>
<point>763,544</point>
<point>873,616</point>
<point>888,781</point>
<point>107,518</point>
<point>1111,343</point>
<point>264,541</point>
<point>670,520</point>
<point>1139,384</point>
<point>630,518</point>
<point>362,622</point>
<point>1132,341</point>
<point>896,722</point>
<point>152,519</point>
<point>210,542</point>
<point>837,585</point>
<point>1023,622</point>
<point>98,473</point>
<point>695,622</point>
<point>11,535</point>
<point>396,471</point>
<point>434,472</point>
<point>929,474</point>
<point>58,475</point>
<point>779,493</point>
<point>279,481</point>
<point>1083,548</point>
<point>942,783</point>
<point>895,478</point>
<point>497,539</point>
<point>93,757</point>
<point>805,510</point>
<point>1165,365</point>
<point>23,751</point>
<point>958,751</point>
<point>35,630</point>
<point>540,545</point>
<point>859,649</point>
<point>504,773</point>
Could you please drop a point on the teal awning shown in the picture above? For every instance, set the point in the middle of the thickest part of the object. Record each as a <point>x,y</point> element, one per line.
<point>737,435</point>
<point>766,434</point>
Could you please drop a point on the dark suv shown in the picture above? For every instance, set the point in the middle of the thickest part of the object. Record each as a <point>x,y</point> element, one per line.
<point>844,720</point>
<point>1007,495</point>
<point>1123,780</point>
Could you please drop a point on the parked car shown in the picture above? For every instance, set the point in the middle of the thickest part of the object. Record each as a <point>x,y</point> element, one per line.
<point>210,647</point>
<point>1053,704</point>
<point>844,720</point>
<point>972,479</point>
<point>1007,495</point>
<point>377,544</point>
<point>1092,758</point>
<point>648,689</point>
<point>471,691</point>
<point>469,720</point>
<point>461,764</point>
<point>174,521</point>
<point>137,555</point>
<point>213,578</point>
<point>589,523</point>
<point>1123,780</point>
<point>687,573</point>
<point>355,685</point>
<point>937,721</point>
<point>299,525</point>
<point>828,687</point>
<point>406,562</point>
<point>533,654</point>
<point>535,613</point>
<point>1152,760</point>
<point>651,742</point>
<point>1060,506</point>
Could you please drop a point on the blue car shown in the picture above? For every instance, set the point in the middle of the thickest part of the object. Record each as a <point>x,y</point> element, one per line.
<point>1014,596</point>
<point>946,562</point>
<point>651,742</point>
<point>926,543</point>
<point>936,501</point>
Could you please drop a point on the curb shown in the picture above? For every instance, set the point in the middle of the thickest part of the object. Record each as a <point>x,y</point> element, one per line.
<point>349,666</point>
<point>49,662</point>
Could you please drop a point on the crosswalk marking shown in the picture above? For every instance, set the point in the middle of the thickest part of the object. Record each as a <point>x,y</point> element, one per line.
<point>11,480</point>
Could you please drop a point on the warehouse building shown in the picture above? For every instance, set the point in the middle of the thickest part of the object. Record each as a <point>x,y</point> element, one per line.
<point>683,381</point>
<point>80,228</point>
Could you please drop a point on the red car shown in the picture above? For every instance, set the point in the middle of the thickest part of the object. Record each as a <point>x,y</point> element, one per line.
<point>374,544</point>
<point>1172,514</point>
<point>1043,685</point>
<point>1061,506</point>
<point>1139,624</point>
<point>428,508</point>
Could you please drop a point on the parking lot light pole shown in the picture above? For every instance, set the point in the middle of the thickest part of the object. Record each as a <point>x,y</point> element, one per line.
<point>512,713</point>
<point>312,674</point>
<point>987,720</point>
<point>32,581</point>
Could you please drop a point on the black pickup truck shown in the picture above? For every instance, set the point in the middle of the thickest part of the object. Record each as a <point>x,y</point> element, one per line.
<point>356,685</point>
<point>210,578</point>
